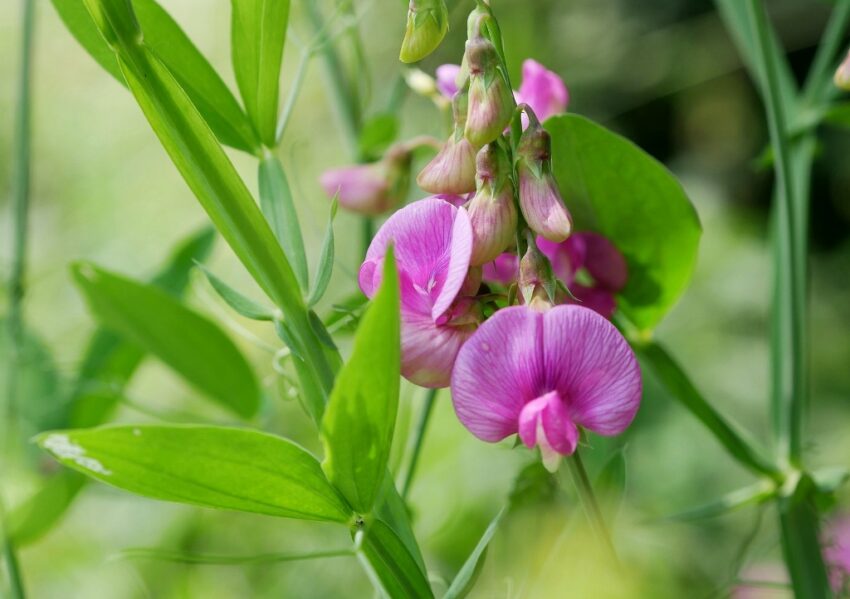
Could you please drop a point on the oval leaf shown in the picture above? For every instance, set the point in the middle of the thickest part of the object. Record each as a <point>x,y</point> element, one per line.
<point>192,345</point>
<point>357,429</point>
<point>216,467</point>
<point>616,189</point>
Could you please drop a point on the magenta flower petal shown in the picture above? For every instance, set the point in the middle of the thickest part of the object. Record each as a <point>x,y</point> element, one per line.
<point>497,372</point>
<point>544,421</point>
<point>429,350</point>
<point>503,270</point>
<point>597,299</point>
<point>362,188</point>
<point>447,79</point>
<point>543,90</point>
<point>592,366</point>
<point>433,243</point>
<point>566,257</point>
<point>604,261</point>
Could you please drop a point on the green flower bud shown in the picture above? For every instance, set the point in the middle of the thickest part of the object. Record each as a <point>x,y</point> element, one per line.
<point>427,24</point>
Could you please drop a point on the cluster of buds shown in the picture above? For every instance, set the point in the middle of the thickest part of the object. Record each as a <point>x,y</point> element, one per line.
<point>495,198</point>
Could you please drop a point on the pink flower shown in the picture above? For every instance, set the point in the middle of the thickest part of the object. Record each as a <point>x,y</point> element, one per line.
<point>502,270</point>
<point>432,242</point>
<point>543,90</point>
<point>599,258</point>
<point>373,188</point>
<point>836,553</point>
<point>842,74</point>
<point>447,75</point>
<point>544,374</point>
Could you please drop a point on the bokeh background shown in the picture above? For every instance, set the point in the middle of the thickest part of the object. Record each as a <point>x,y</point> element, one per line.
<point>662,72</point>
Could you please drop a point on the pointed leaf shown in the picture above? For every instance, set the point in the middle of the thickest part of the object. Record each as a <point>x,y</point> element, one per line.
<point>465,579</point>
<point>196,76</point>
<point>357,428</point>
<point>192,345</point>
<point>753,494</point>
<point>616,189</point>
<point>258,32</point>
<point>216,467</point>
<point>326,261</point>
<point>241,304</point>
<point>278,207</point>
<point>35,516</point>
<point>79,22</point>
<point>387,559</point>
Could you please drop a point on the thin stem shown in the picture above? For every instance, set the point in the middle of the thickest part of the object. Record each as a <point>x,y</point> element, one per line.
<point>20,207</point>
<point>819,78</point>
<point>418,439</point>
<point>227,560</point>
<point>294,90</point>
<point>794,390</point>
<point>589,503</point>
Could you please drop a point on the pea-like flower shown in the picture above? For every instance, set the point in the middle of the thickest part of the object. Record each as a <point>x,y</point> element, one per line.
<point>542,90</point>
<point>372,188</point>
<point>452,170</point>
<point>591,267</point>
<point>432,242</point>
<point>543,375</point>
<point>492,210</point>
<point>539,197</point>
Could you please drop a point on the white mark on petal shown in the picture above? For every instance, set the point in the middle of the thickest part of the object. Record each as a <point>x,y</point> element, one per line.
<point>63,448</point>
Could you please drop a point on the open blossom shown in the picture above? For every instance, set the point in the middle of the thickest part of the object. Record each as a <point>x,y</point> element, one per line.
<point>543,90</point>
<point>372,188</point>
<point>543,375</point>
<point>432,242</point>
<point>598,258</point>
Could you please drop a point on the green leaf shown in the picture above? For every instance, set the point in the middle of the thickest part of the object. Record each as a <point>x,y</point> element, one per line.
<point>678,385</point>
<point>750,495</point>
<point>79,22</point>
<point>279,208</point>
<point>377,134</point>
<point>184,557</point>
<point>390,564</point>
<point>326,261</point>
<point>35,516</point>
<point>357,429</point>
<point>393,512</point>
<point>465,579</point>
<point>838,115</point>
<point>258,32</point>
<point>241,304</point>
<point>614,188</point>
<point>192,345</point>
<point>196,76</point>
<point>216,467</point>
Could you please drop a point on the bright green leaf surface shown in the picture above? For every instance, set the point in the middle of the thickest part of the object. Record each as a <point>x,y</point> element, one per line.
<point>614,188</point>
<point>210,466</point>
<point>326,261</point>
<point>258,33</point>
<point>196,76</point>
<point>465,579</point>
<point>241,304</point>
<point>192,345</point>
<point>397,572</point>
<point>357,428</point>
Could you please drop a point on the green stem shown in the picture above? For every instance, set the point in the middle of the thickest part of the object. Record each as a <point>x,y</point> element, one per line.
<point>590,505</point>
<point>819,79</point>
<point>418,439</point>
<point>793,295</point>
<point>20,208</point>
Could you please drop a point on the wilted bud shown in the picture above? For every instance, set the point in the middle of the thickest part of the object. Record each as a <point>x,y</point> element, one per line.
<point>452,170</point>
<point>842,75</point>
<point>372,188</point>
<point>539,198</point>
<point>492,211</point>
<point>491,101</point>
<point>536,281</point>
<point>427,24</point>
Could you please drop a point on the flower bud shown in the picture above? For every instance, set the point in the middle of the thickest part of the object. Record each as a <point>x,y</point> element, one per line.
<point>372,188</point>
<point>536,281</point>
<point>452,170</point>
<point>427,24</point>
<point>492,211</point>
<point>842,75</point>
<point>539,198</point>
<point>491,101</point>
<point>446,79</point>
